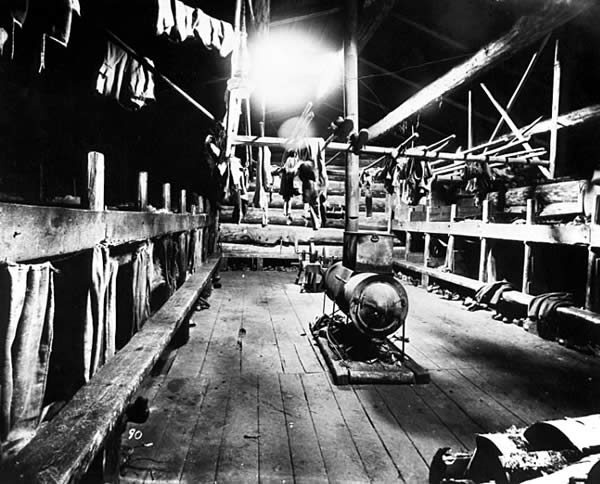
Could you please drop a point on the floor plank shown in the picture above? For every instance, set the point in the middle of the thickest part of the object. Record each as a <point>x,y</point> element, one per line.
<point>238,455</point>
<point>374,455</point>
<point>203,453</point>
<point>275,462</point>
<point>307,460</point>
<point>342,460</point>
<point>407,459</point>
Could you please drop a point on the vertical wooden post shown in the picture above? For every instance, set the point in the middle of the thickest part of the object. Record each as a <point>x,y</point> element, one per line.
<point>408,243</point>
<point>555,112</point>
<point>450,249</point>
<point>166,196</point>
<point>591,286</point>
<point>201,205</point>
<point>182,202</point>
<point>527,251</point>
<point>426,249</point>
<point>484,249</point>
<point>142,195</point>
<point>470,121</point>
<point>95,181</point>
<point>351,97</point>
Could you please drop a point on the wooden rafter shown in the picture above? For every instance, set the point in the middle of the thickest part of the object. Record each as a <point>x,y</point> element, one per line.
<point>527,30</point>
<point>373,16</point>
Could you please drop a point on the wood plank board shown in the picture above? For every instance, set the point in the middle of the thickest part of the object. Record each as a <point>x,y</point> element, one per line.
<point>203,454</point>
<point>275,462</point>
<point>33,232</point>
<point>374,455</point>
<point>238,455</point>
<point>307,460</point>
<point>342,460</point>
<point>411,464</point>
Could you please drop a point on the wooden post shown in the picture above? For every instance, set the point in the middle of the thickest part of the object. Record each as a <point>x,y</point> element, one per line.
<point>470,121</point>
<point>591,286</point>
<point>450,249</point>
<point>527,251</point>
<point>351,92</point>
<point>408,242</point>
<point>182,202</point>
<point>555,112</point>
<point>142,196</point>
<point>166,196</point>
<point>484,249</point>
<point>95,181</point>
<point>201,205</point>
<point>426,249</point>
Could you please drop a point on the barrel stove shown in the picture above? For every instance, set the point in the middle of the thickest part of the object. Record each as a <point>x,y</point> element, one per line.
<point>376,304</point>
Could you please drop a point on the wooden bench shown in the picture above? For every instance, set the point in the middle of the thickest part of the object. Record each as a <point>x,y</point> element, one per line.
<point>64,448</point>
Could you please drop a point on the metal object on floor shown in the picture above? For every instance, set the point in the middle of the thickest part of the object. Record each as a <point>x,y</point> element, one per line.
<point>355,346</point>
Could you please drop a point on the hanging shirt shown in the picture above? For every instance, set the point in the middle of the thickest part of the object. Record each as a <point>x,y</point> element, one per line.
<point>60,19</point>
<point>124,79</point>
<point>181,23</point>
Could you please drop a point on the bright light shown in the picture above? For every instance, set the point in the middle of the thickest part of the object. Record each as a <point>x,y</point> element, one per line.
<point>291,70</point>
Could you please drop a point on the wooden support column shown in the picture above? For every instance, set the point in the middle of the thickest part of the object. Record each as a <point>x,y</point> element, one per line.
<point>142,191</point>
<point>95,181</point>
<point>351,95</point>
<point>484,249</point>
<point>450,249</point>
<point>426,248</point>
<point>527,30</point>
<point>182,202</point>
<point>555,113</point>
<point>407,243</point>
<point>166,196</point>
<point>527,250</point>
<point>591,287</point>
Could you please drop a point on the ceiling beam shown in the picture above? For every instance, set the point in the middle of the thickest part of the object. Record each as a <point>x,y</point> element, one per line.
<point>527,30</point>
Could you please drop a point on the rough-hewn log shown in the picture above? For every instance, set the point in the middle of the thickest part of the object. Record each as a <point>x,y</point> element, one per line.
<point>574,118</point>
<point>271,236</point>
<point>558,192</point>
<point>526,31</point>
<point>276,217</point>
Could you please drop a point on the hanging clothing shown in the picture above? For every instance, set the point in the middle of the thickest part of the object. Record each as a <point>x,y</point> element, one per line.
<point>366,183</point>
<point>143,269</point>
<point>26,332</point>
<point>99,337</point>
<point>59,15</point>
<point>181,23</point>
<point>124,79</point>
<point>288,174</point>
<point>313,175</point>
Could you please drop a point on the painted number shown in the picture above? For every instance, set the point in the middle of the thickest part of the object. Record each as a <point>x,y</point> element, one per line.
<point>135,434</point>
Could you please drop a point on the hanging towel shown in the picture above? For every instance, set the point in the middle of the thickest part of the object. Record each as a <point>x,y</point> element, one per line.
<point>26,331</point>
<point>100,325</point>
<point>124,79</point>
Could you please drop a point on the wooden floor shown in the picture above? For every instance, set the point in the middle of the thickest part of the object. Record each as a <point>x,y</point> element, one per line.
<point>248,399</point>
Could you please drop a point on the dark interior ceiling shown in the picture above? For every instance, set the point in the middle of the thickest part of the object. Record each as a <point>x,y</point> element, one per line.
<point>54,118</point>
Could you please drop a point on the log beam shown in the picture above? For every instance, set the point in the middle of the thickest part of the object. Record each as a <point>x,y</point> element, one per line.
<point>527,30</point>
<point>374,15</point>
